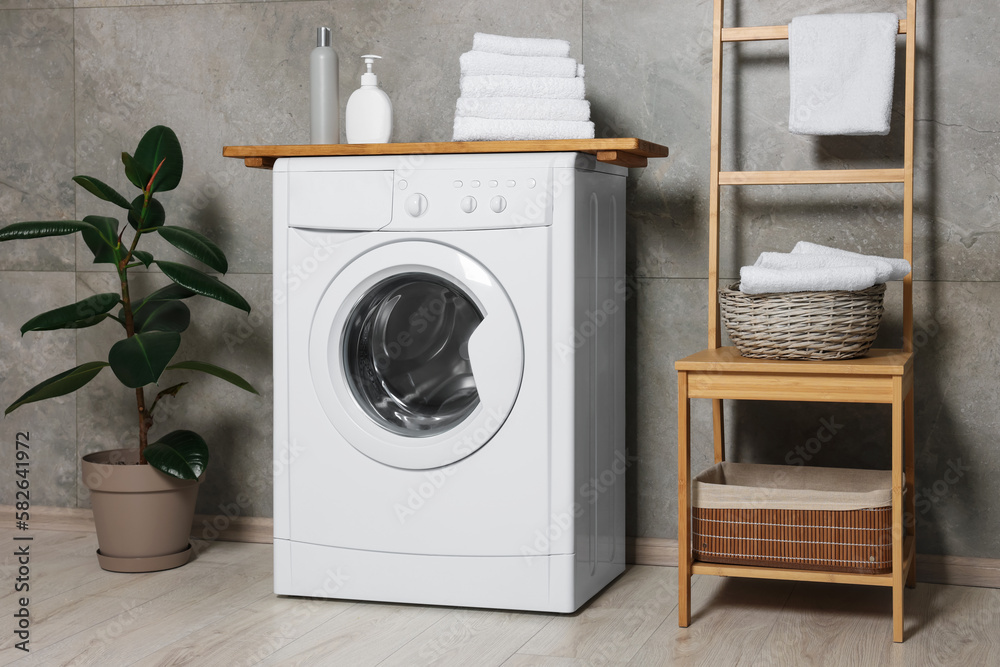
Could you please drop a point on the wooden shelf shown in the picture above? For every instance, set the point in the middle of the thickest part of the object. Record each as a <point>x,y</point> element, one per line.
<point>794,574</point>
<point>625,152</point>
<point>728,360</point>
<point>720,373</point>
<point>811,177</point>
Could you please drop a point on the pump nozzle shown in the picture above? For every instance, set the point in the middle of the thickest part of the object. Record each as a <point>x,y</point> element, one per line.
<point>369,78</point>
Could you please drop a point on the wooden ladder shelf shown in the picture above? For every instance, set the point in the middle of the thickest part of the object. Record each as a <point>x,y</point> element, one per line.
<point>720,373</point>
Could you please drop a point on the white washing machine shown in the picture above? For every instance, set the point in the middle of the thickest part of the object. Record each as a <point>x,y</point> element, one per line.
<point>449,378</point>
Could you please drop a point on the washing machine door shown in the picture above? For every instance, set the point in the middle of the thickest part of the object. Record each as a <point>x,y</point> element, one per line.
<point>416,354</point>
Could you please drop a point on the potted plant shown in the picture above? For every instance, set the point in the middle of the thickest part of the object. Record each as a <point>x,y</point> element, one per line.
<point>143,497</point>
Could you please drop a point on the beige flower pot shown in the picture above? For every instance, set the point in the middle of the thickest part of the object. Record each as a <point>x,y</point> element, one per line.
<point>143,517</point>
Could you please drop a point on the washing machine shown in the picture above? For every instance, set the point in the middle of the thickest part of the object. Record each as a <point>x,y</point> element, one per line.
<point>449,378</point>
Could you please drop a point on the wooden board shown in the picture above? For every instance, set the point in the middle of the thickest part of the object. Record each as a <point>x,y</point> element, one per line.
<point>626,152</point>
<point>765,33</point>
<point>729,359</point>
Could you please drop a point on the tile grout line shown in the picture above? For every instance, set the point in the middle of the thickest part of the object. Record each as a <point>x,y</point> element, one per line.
<point>170,5</point>
<point>76,283</point>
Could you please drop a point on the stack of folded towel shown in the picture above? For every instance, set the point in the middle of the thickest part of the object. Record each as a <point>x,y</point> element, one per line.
<point>516,88</point>
<point>816,268</point>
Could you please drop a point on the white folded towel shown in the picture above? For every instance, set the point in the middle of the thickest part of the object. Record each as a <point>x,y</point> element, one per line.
<point>505,129</point>
<point>841,69</point>
<point>758,280</point>
<point>474,63</point>
<point>520,46</point>
<point>784,261</point>
<point>505,85</point>
<point>900,267</point>
<point>526,108</point>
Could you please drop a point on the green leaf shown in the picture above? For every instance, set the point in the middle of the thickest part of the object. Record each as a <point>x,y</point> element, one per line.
<point>102,190</point>
<point>140,359</point>
<point>196,245</point>
<point>34,230</point>
<point>181,454</point>
<point>81,314</point>
<point>158,145</point>
<point>222,373</point>
<point>136,175</point>
<point>162,316</point>
<point>203,284</point>
<point>102,239</point>
<point>59,385</point>
<point>143,256</point>
<point>155,215</point>
<point>169,293</point>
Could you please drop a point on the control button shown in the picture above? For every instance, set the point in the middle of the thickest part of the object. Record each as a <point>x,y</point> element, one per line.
<point>498,204</point>
<point>531,183</point>
<point>402,184</point>
<point>457,184</point>
<point>493,184</point>
<point>511,184</point>
<point>475,184</point>
<point>468,204</point>
<point>416,205</point>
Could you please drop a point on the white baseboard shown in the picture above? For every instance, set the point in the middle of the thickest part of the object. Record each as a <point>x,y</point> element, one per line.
<point>953,570</point>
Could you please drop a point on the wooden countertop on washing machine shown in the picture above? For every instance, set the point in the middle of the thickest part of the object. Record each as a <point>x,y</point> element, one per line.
<point>626,152</point>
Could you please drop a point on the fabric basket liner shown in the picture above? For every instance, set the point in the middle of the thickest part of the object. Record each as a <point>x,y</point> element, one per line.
<point>756,486</point>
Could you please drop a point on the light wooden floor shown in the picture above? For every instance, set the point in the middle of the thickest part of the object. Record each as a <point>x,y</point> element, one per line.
<point>219,610</point>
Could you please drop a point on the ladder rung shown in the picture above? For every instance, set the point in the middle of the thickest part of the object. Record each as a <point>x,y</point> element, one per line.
<point>765,33</point>
<point>810,177</point>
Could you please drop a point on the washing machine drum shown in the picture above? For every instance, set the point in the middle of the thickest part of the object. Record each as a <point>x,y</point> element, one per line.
<point>416,354</point>
<point>407,354</point>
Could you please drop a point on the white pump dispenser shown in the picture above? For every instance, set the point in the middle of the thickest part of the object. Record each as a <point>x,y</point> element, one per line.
<point>369,110</point>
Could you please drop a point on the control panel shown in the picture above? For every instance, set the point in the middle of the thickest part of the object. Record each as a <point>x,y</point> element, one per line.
<point>443,199</point>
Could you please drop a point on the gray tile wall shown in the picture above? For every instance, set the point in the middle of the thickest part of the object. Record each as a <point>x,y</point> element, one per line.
<point>82,80</point>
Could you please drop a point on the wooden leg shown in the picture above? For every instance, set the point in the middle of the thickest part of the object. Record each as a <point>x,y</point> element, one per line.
<point>719,429</point>
<point>897,509</point>
<point>683,502</point>
<point>911,486</point>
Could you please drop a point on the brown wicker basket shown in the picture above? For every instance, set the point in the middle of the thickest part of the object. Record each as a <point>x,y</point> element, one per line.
<point>802,325</point>
<point>764,529</point>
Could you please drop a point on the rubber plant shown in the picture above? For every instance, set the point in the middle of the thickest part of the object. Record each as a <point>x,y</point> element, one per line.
<point>152,324</point>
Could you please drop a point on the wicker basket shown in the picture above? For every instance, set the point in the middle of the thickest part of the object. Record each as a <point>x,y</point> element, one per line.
<point>802,325</point>
<point>788,516</point>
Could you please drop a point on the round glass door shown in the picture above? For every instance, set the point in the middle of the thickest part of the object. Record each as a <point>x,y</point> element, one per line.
<point>406,351</point>
<point>416,354</point>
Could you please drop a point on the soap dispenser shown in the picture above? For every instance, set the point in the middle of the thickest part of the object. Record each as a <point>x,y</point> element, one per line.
<point>323,82</point>
<point>369,110</point>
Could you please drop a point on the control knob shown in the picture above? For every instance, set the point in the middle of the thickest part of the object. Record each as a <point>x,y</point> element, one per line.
<point>416,204</point>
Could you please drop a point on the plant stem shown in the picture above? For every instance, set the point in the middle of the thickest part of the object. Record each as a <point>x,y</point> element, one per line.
<point>140,398</point>
<point>135,241</point>
<point>123,267</point>
<point>140,401</point>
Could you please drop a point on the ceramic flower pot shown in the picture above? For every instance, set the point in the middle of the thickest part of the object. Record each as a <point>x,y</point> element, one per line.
<point>143,517</point>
